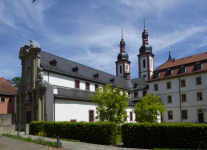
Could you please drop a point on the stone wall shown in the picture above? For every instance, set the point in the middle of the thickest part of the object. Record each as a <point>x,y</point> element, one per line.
<point>27,129</point>
<point>9,129</point>
<point>5,119</point>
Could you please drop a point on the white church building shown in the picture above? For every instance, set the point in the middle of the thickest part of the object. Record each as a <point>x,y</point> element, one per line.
<point>56,89</point>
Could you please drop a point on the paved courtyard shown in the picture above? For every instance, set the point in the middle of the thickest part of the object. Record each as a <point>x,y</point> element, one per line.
<point>7,143</point>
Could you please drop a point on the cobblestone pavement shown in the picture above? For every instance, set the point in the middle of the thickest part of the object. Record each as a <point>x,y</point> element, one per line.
<point>7,143</point>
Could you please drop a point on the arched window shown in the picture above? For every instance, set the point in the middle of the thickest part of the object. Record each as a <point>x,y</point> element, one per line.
<point>144,63</point>
<point>120,69</point>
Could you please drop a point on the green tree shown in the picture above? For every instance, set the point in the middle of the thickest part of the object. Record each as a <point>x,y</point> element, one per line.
<point>110,104</point>
<point>148,108</point>
<point>15,81</point>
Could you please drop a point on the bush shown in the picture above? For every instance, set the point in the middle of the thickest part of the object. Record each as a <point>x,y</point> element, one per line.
<point>92,132</point>
<point>151,135</point>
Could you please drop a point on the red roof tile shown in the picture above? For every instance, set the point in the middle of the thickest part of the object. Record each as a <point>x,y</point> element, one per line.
<point>185,60</point>
<point>6,87</point>
<point>189,61</point>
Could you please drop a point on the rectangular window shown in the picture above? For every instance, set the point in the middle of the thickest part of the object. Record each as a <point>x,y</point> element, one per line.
<point>198,81</point>
<point>120,69</point>
<point>144,75</point>
<point>129,93</point>
<point>96,87</point>
<point>182,83</point>
<point>169,99</point>
<point>135,94</point>
<point>156,87</point>
<point>91,115</point>
<point>131,116</point>
<point>87,86</point>
<point>144,93</point>
<point>184,114</point>
<point>3,100</point>
<point>199,96</point>
<point>170,115</point>
<point>73,120</point>
<point>168,85</point>
<point>10,100</point>
<point>198,66</point>
<point>77,84</point>
<point>183,98</point>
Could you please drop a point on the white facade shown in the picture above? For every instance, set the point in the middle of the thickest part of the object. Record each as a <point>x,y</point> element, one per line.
<point>146,65</point>
<point>178,103</point>
<point>67,109</point>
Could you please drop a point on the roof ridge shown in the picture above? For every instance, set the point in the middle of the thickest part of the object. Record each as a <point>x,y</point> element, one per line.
<point>191,55</point>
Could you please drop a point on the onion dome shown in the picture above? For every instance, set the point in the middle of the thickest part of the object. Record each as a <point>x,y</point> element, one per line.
<point>145,48</point>
<point>122,55</point>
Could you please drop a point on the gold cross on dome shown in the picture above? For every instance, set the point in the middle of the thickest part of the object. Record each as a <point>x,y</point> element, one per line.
<point>169,49</point>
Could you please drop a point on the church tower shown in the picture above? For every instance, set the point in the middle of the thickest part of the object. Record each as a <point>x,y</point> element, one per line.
<point>122,63</point>
<point>145,57</point>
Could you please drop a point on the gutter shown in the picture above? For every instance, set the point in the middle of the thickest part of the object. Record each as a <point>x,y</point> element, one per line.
<point>180,100</point>
<point>54,106</point>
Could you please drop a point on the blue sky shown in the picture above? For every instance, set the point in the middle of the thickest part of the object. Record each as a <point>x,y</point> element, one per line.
<point>89,31</point>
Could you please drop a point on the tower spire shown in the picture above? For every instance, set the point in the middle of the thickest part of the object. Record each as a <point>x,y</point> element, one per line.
<point>169,58</point>
<point>121,34</point>
<point>144,23</point>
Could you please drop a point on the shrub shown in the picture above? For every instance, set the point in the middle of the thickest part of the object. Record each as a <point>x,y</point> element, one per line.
<point>92,132</point>
<point>151,135</point>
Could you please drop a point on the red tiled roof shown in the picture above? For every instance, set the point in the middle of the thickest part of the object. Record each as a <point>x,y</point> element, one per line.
<point>189,61</point>
<point>6,87</point>
<point>185,60</point>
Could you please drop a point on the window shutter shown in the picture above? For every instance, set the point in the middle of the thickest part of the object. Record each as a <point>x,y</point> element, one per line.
<point>171,72</point>
<point>159,74</point>
<point>185,69</point>
<point>202,66</point>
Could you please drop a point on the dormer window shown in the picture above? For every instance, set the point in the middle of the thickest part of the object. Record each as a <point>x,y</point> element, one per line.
<point>96,75</point>
<point>182,69</point>
<point>53,63</point>
<point>156,74</point>
<point>112,80</point>
<point>135,85</point>
<point>75,69</point>
<point>169,72</point>
<point>198,66</point>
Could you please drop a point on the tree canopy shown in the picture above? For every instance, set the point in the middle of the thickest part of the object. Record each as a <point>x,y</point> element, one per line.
<point>15,81</point>
<point>149,108</point>
<point>110,103</point>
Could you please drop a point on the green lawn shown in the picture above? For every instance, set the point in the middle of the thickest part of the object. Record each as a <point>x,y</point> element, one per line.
<point>118,138</point>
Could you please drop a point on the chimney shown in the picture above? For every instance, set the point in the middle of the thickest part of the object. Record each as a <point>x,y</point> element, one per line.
<point>173,59</point>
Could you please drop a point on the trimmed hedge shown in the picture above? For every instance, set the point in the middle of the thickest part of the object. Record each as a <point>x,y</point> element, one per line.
<point>91,132</point>
<point>152,135</point>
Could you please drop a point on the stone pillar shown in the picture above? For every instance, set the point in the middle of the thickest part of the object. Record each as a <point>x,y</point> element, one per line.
<point>45,116</point>
<point>33,105</point>
<point>39,106</point>
<point>20,109</point>
<point>17,109</point>
<point>43,101</point>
